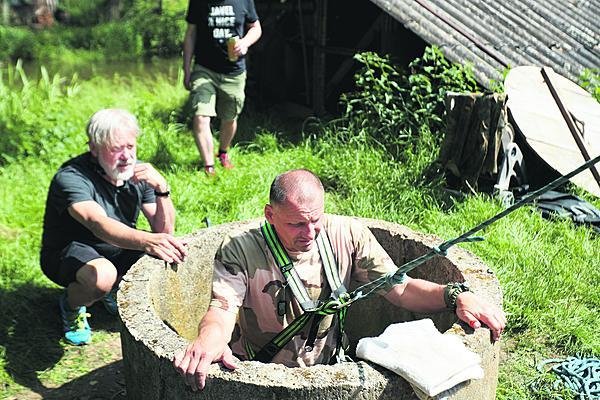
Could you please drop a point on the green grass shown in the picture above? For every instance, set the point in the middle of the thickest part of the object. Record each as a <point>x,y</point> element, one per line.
<point>548,270</point>
<point>89,36</point>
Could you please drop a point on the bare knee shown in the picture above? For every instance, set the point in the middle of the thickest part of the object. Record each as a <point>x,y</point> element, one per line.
<point>97,277</point>
<point>201,124</point>
<point>228,124</point>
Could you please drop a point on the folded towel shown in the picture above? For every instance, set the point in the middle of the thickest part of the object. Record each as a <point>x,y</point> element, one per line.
<point>430,361</point>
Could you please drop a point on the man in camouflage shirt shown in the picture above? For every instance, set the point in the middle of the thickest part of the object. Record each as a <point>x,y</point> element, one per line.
<point>248,282</point>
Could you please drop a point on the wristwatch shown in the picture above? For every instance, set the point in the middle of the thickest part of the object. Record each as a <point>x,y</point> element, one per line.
<point>451,292</point>
<point>166,193</point>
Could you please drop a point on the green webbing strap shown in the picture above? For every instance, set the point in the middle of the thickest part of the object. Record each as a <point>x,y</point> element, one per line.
<point>332,306</point>
<point>581,375</point>
<point>249,350</point>
<point>287,268</point>
<point>269,350</point>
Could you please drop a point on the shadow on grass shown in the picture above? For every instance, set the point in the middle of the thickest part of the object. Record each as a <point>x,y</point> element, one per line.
<point>31,332</point>
<point>106,382</point>
<point>163,157</point>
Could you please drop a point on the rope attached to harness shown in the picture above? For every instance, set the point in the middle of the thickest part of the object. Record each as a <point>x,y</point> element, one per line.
<point>365,290</point>
<point>339,305</point>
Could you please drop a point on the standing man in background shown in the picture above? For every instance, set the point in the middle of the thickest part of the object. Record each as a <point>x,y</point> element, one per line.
<point>218,36</point>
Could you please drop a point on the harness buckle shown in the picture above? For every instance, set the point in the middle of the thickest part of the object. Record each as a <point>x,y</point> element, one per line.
<point>286,268</point>
<point>281,308</point>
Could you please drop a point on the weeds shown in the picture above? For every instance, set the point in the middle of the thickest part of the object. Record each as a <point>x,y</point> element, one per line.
<point>396,111</point>
<point>590,81</point>
<point>24,132</point>
<point>142,31</point>
<point>548,270</point>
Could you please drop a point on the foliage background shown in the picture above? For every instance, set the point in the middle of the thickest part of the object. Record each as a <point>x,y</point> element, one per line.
<point>377,159</point>
<point>91,36</point>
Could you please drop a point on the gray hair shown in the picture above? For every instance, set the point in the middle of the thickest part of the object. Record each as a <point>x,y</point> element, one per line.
<point>291,182</point>
<point>104,123</point>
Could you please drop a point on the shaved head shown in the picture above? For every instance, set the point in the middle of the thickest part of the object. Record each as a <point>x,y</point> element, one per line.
<point>296,209</point>
<point>296,185</point>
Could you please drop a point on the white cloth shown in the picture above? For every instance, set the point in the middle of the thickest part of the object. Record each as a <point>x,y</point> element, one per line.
<point>430,361</point>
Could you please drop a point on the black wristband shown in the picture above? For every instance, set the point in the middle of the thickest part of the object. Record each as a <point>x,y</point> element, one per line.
<point>162,194</point>
<point>451,292</point>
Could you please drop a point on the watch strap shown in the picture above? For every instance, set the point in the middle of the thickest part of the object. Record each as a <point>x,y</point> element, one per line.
<point>162,194</point>
<point>451,292</point>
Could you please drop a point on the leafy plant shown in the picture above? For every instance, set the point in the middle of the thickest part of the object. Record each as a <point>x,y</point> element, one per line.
<point>590,80</point>
<point>84,13</point>
<point>24,131</point>
<point>161,33</point>
<point>16,43</point>
<point>395,109</point>
<point>117,40</point>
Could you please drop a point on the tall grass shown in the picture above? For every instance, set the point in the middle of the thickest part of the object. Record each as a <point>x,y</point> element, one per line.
<point>24,131</point>
<point>547,270</point>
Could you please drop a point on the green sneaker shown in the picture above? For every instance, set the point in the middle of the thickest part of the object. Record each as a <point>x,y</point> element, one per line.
<point>110,302</point>
<point>75,324</point>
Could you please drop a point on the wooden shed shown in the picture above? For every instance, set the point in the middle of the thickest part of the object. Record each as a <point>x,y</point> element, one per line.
<point>305,55</point>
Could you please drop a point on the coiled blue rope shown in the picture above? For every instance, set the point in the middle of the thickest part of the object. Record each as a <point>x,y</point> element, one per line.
<point>581,375</point>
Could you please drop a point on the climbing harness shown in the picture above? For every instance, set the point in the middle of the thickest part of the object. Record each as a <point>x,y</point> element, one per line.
<point>581,375</point>
<point>313,309</point>
<point>339,305</point>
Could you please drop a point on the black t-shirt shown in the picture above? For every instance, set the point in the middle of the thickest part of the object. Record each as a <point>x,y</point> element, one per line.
<point>80,179</point>
<point>216,21</point>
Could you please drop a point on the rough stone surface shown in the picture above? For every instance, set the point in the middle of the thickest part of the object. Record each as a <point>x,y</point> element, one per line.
<point>160,306</point>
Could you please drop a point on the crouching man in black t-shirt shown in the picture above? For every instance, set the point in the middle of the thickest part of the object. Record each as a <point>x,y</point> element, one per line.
<point>90,238</point>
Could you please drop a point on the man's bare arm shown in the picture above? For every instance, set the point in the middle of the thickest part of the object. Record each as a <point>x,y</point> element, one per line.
<point>253,33</point>
<point>91,215</point>
<point>427,297</point>
<point>211,345</point>
<point>189,42</point>
<point>160,215</point>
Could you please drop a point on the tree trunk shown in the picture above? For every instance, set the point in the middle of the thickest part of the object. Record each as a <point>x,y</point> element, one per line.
<point>5,12</point>
<point>114,9</point>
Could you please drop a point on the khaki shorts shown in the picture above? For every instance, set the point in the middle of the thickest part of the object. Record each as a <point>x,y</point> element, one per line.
<point>215,94</point>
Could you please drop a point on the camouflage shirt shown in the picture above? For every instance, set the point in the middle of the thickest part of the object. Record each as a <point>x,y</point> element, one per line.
<point>247,281</point>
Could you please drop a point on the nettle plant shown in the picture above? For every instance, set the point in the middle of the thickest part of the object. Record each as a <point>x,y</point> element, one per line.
<point>395,108</point>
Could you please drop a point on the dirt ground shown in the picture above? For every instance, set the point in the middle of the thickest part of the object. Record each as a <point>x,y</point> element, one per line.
<point>104,382</point>
<point>99,378</point>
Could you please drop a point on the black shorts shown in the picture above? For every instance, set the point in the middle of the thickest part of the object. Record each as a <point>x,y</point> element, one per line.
<point>62,266</point>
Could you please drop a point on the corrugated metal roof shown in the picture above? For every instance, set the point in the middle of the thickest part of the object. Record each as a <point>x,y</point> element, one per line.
<point>491,34</point>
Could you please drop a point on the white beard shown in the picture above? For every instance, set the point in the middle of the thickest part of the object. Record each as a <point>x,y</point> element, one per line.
<point>113,171</point>
<point>122,176</point>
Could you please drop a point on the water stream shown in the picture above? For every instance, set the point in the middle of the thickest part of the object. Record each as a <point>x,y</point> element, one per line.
<point>150,69</point>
